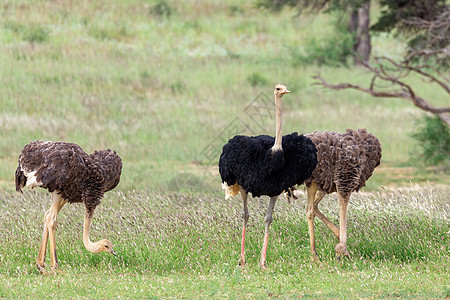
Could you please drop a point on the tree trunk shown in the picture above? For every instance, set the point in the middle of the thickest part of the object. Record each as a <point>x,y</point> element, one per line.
<point>353,23</point>
<point>362,45</point>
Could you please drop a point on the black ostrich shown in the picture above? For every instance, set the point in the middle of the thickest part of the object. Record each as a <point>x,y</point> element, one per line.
<point>71,175</point>
<point>263,165</point>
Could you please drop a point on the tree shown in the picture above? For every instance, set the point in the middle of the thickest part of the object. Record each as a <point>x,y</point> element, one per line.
<point>362,45</point>
<point>394,12</point>
<point>428,58</point>
<point>359,18</point>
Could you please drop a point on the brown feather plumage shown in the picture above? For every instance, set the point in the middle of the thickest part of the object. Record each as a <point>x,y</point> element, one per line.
<point>344,160</point>
<point>67,169</point>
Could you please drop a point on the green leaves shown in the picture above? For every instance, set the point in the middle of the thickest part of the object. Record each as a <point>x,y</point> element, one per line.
<point>433,142</point>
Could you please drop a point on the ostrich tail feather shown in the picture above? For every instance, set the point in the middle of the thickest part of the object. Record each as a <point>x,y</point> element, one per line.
<point>230,190</point>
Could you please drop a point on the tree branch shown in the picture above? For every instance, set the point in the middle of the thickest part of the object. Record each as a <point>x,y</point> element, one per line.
<point>426,52</point>
<point>432,78</point>
<point>407,94</point>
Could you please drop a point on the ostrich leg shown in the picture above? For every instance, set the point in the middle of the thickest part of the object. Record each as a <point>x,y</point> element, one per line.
<point>320,215</point>
<point>50,232</point>
<point>310,214</point>
<point>40,261</point>
<point>341,248</point>
<point>58,203</point>
<point>268,221</point>
<point>245,216</point>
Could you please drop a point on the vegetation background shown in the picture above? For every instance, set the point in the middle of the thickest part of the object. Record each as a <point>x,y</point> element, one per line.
<point>165,84</point>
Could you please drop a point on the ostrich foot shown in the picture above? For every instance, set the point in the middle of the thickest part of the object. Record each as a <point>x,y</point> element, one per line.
<point>315,259</point>
<point>263,264</point>
<point>341,251</point>
<point>41,268</point>
<point>242,261</point>
<point>56,272</point>
<point>52,271</point>
<point>55,267</point>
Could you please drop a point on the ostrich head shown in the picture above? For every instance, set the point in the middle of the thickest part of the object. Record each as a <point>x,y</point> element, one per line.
<point>105,245</point>
<point>280,90</point>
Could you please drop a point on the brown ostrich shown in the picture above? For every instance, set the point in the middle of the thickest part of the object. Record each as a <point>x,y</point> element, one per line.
<point>70,175</point>
<point>344,162</point>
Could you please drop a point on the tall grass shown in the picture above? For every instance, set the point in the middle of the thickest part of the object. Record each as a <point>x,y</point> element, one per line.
<point>402,235</point>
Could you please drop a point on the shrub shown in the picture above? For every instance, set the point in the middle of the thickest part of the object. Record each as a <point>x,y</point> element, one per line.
<point>33,33</point>
<point>257,79</point>
<point>332,50</point>
<point>433,137</point>
<point>162,10</point>
<point>234,10</point>
<point>36,34</point>
<point>109,32</point>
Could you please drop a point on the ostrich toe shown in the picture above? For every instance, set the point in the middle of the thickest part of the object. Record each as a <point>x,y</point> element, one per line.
<point>315,259</point>
<point>242,261</point>
<point>341,251</point>
<point>41,268</point>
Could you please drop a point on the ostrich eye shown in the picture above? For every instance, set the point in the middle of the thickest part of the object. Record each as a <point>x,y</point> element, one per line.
<point>106,246</point>
<point>278,89</point>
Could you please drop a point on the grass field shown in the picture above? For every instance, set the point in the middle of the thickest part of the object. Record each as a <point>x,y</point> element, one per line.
<point>173,245</point>
<point>161,90</point>
<point>166,91</point>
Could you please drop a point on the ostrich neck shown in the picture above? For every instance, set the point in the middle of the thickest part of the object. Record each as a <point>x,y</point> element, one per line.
<point>278,120</point>
<point>90,246</point>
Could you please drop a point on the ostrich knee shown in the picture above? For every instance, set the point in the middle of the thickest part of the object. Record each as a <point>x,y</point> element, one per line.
<point>46,216</point>
<point>245,216</point>
<point>50,221</point>
<point>310,214</point>
<point>268,219</point>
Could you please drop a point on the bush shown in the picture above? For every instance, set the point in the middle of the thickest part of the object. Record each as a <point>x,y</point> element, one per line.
<point>332,50</point>
<point>162,10</point>
<point>33,33</point>
<point>275,6</point>
<point>103,33</point>
<point>234,10</point>
<point>433,137</point>
<point>256,79</point>
<point>36,34</point>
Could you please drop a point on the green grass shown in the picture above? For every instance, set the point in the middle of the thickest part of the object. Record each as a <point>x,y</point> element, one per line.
<point>385,281</point>
<point>160,89</point>
<point>173,245</point>
<point>159,84</point>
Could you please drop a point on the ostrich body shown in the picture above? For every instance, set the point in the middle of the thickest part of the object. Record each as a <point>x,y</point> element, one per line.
<point>70,175</point>
<point>263,165</point>
<point>344,162</point>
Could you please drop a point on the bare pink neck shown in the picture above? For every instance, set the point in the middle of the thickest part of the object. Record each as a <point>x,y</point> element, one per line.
<point>90,246</point>
<point>278,121</point>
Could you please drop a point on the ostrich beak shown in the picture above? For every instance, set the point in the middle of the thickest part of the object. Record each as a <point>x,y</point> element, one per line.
<point>286,91</point>
<point>112,252</point>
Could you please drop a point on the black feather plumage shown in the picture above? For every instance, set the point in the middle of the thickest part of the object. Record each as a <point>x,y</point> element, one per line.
<point>250,162</point>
